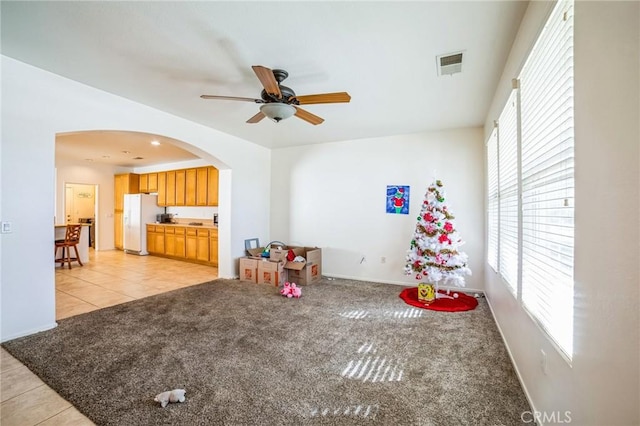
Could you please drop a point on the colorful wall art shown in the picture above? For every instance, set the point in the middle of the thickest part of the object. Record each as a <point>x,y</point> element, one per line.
<point>398,199</point>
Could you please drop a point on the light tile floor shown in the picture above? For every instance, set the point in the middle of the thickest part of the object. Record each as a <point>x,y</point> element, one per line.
<point>109,278</point>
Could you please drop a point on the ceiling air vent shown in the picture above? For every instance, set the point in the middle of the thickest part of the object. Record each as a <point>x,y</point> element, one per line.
<point>449,64</point>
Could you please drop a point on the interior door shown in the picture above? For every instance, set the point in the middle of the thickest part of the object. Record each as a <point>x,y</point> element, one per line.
<point>68,203</point>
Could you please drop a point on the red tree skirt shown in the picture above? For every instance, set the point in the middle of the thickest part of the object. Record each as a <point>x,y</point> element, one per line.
<point>463,302</point>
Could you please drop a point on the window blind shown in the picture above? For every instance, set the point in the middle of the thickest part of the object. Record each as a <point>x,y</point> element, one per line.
<point>547,158</point>
<point>508,192</point>
<point>492,200</point>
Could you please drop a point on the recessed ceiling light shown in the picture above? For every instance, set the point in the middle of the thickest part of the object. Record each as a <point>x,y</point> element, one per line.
<point>155,143</point>
<point>88,159</point>
<point>106,156</point>
<point>126,152</point>
<point>137,158</point>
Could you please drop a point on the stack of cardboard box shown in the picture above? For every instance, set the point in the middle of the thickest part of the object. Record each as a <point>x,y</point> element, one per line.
<point>276,269</point>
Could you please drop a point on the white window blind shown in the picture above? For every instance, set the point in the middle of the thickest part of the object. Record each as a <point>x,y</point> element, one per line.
<point>492,200</point>
<point>547,158</point>
<point>508,192</point>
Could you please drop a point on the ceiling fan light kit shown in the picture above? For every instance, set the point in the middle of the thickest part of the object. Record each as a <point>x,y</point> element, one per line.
<point>277,111</point>
<point>281,102</point>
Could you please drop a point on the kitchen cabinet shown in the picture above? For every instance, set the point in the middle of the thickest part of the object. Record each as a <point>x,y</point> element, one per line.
<point>144,183</point>
<point>118,230</point>
<point>192,244</point>
<point>213,246</point>
<point>184,187</point>
<point>126,183</point>
<point>170,241</point>
<point>149,183</point>
<point>202,182</point>
<point>195,244</point>
<point>190,186</point>
<point>162,188</point>
<point>180,187</point>
<point>181,242</point>
<point>171,188</point>
<point>151,243</point>
<point>155,239</point>
<point>174,241</point>
<point>202,252</point>
<point>212,186</point>
<point>153,182</point>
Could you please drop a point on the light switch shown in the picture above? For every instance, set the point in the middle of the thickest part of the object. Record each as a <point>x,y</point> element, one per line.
<point>6,227</point>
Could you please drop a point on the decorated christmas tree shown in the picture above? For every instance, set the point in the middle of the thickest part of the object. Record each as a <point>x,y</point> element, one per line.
<point>434,255</point>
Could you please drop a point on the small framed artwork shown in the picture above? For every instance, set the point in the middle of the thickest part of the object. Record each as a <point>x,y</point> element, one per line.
<point>252,243</point>
<point>398,199</point>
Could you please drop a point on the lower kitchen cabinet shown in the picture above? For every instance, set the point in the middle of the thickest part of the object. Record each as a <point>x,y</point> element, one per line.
<point>155,239</point>
<point>213,246</point>
<point>202,251</point>
<point>190,243</point>
<point>180,250</point>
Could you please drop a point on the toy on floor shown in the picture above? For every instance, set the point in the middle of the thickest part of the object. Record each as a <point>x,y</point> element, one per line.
<point>176,395</point>
<point>291,290</point>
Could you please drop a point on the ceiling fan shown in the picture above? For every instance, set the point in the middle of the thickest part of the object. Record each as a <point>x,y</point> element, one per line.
<point>280,102</point>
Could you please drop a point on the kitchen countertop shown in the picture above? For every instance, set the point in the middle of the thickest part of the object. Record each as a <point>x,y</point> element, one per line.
<point>186,225</point>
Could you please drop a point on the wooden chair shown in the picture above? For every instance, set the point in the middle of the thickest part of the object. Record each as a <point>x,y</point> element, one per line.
<point>71,239</point>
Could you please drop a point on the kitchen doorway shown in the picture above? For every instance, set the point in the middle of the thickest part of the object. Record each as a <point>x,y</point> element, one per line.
<point>80,206</point>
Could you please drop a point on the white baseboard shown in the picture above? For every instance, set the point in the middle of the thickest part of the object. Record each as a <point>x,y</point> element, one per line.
<point>28,332</point>
<point>347,277</point>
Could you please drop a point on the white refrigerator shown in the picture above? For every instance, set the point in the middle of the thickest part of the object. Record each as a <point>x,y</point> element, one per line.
<point>139,209</point>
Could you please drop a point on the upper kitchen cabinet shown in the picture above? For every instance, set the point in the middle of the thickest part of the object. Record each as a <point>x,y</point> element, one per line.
<point>144,183</point>
<point>181,177</point>
<point>212,186</point>
<point>149,183</point>
<point>162,188</point>
<point>202,183</point>
<point>171,188</point>
<point>191,176</point>
<point>153,182</point>
<point>127,183</point>
<point>183,187</point>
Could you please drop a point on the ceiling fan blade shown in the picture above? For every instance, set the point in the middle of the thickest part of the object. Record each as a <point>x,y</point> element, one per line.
<point>232,98</point>
<point>268,80</point>
<point>259,116</point>
<point>307,116</point>
<point>324,98</point>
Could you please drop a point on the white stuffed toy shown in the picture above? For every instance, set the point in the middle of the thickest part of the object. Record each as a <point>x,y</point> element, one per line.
<point>176,395</point>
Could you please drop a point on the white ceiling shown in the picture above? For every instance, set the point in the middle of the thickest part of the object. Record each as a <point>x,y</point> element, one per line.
<point>166,54</point>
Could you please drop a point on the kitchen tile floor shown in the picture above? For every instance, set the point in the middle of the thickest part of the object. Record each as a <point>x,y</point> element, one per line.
<point>109,278</point>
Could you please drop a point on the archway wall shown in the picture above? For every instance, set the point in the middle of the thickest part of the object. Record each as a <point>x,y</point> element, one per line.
<point>36,105</point>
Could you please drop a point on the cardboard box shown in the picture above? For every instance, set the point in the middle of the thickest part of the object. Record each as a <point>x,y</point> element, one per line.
<point>307,275</point>
<point>306,272</point>
<point>248,269</point>
<point>271,272</point>
<point>276,253</point>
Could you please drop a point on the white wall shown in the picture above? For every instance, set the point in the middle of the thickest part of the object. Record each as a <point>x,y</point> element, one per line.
<point>94,174</point>
<point>333,196</point>
<point>36,105</point>
<point>602,385</point>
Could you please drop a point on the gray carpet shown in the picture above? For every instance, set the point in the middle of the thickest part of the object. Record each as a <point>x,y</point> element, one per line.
<point>347,352</point>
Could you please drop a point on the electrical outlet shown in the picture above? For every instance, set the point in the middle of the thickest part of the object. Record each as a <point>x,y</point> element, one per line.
<point>543,362</point>
<point>383,259</point>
